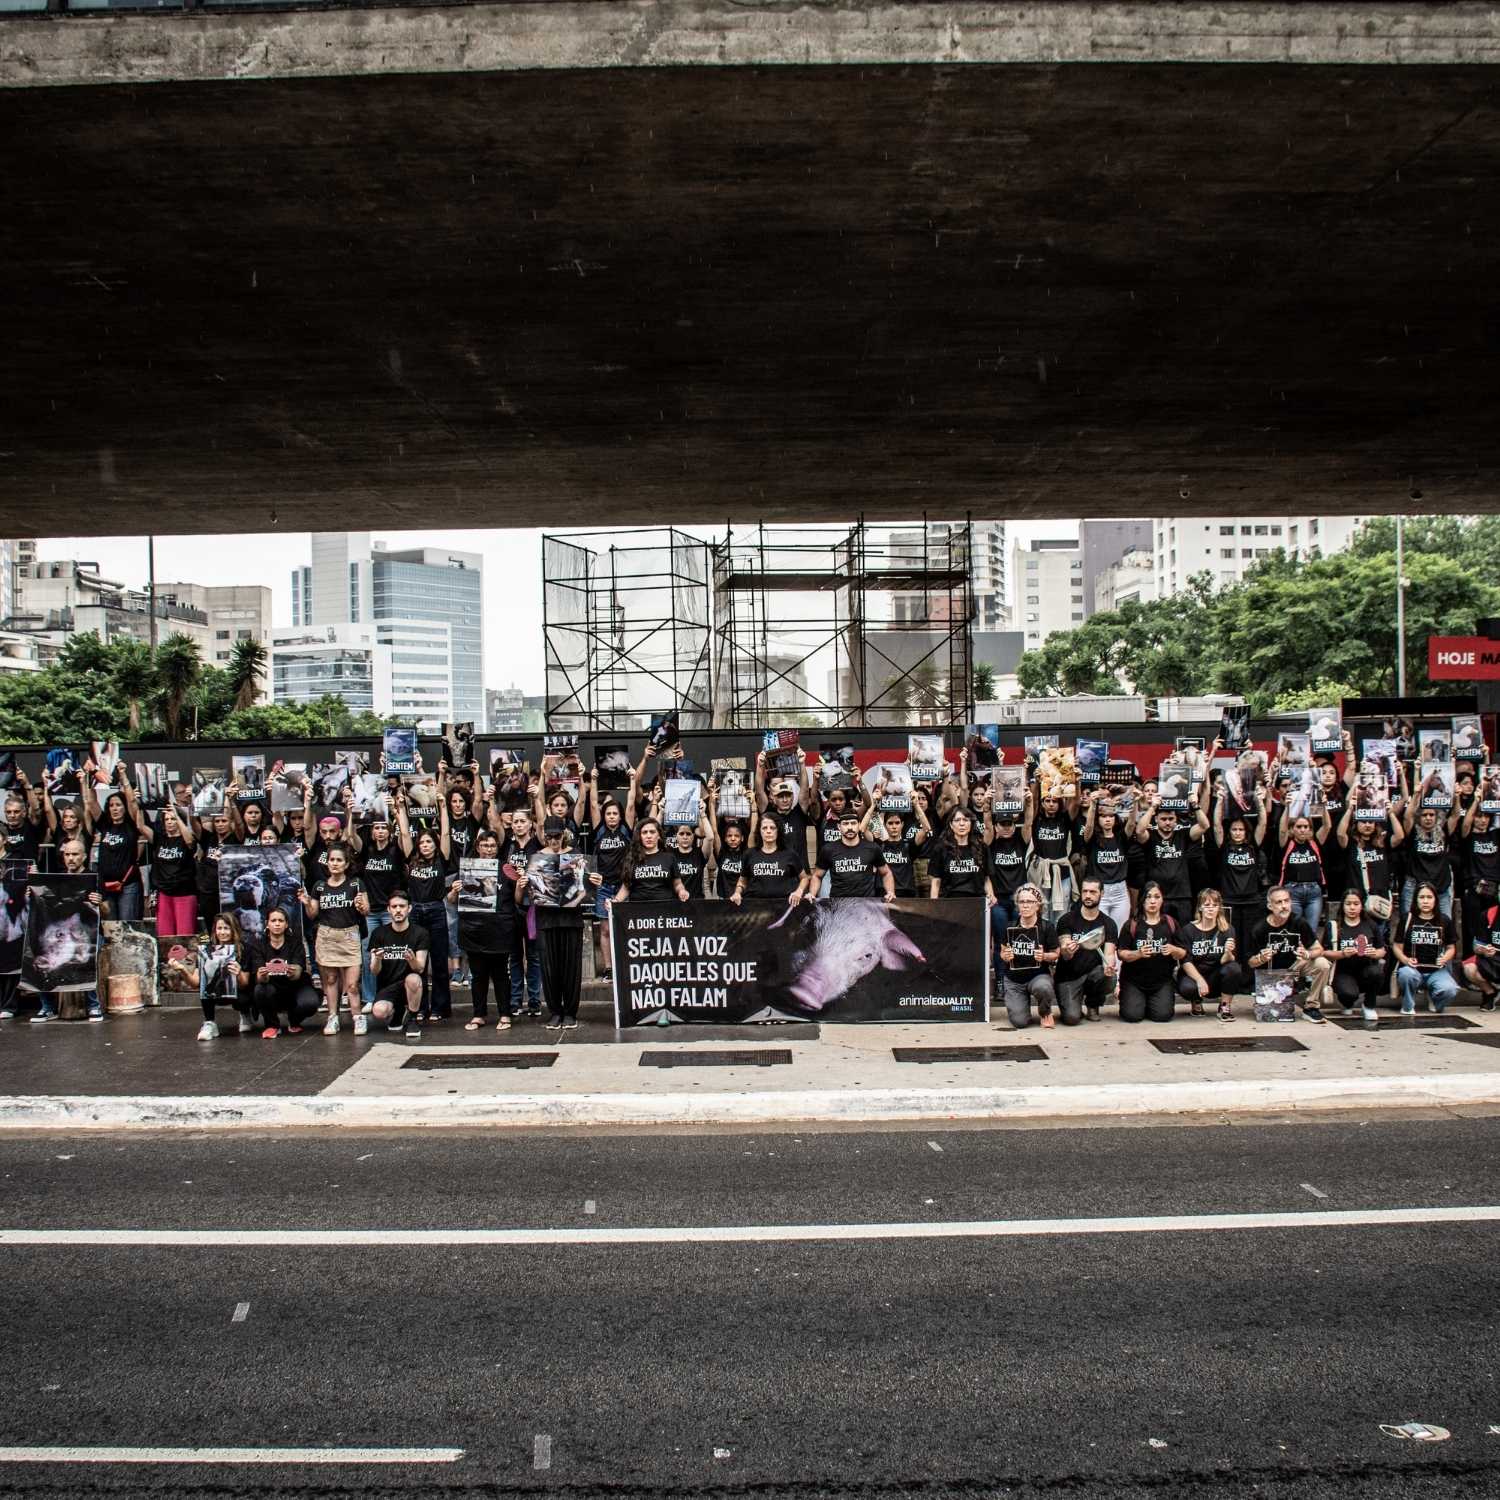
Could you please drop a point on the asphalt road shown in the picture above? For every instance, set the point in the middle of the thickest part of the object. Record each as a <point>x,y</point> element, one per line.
<point>1257,1362</point>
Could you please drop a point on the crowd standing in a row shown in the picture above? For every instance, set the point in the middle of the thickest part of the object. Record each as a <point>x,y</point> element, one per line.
<point>1102,893</point>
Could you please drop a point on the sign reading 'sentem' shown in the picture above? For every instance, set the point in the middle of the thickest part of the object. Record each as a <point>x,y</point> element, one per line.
<point>1462,658</point>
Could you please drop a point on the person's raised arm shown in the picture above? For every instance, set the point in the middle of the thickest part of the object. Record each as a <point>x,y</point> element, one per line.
<point>924,827</point>
<point>133,804</point>
<point>810,801</point>
<point>1344,822</point>
<point>403,825</point>
<point>1409,803</point>
<point>1028,812</point>
<point>1351,766</point>
<point>445,842</point>
<point>1325,827</point>
<point>1143,824</point>
<point>1219,802</point>
<point>49,810</point>
<point>1398,833</point>
<point>1089,815</point>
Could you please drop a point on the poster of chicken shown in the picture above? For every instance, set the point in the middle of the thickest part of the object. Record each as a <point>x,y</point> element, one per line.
<point>847,959</point>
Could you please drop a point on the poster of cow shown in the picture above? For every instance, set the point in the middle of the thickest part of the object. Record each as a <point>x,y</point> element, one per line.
<point>846,959</point>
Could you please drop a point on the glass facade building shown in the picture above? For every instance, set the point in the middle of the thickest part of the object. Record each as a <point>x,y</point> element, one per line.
<point>431,583</point>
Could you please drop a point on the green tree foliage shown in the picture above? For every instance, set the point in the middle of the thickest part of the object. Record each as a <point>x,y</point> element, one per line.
<point>122,692</point>
<point>1324,628</point>
<point>984,682</point>
<point>247,666</point>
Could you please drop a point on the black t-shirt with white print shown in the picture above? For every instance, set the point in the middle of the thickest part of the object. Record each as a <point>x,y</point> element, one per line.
<point>1097,931</point>
<point>1423,939</point>
<point>959,869</point>
<point>390,946</point>
<point>1025,944</point>
<point>1007,863</point>
<point>771,876</point>
<point>336,902</point>
<point>652,882</point>
<point>853,870</point>
<point>172,871</point>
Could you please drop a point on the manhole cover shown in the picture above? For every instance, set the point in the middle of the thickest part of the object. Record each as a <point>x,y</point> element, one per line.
<point>743,1057</point>
<point>1388,1022</point>
<point>432,1062</point>
<point>1192,1045</point>
<point>1021,1053</point>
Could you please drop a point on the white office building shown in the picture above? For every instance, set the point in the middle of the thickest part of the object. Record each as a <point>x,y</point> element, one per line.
<point>1224,547</point>
<point>428,606</point>
<point>1047,589</point>
<point>1131,579</point>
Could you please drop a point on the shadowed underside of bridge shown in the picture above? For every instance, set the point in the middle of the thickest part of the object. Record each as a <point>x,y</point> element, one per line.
<point>633,295</point>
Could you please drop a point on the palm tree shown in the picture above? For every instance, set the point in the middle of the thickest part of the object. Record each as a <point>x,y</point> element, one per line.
<point>135,676</point>
<point>247,666</point>
<point>177,671</point>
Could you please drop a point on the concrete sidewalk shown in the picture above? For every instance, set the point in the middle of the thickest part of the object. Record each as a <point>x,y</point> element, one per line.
<point>147,1071</point>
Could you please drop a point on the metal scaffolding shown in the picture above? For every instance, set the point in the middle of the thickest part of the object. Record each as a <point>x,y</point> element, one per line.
<point>626,629</point>
<point>884,613</point>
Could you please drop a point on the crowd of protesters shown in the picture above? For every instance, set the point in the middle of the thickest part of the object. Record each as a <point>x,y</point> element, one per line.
<point>1098,896</point>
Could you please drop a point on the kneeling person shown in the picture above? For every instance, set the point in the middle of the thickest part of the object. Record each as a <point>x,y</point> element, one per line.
<point>398,955</point>
<point>1086,940</point>
<point>1029,951</point>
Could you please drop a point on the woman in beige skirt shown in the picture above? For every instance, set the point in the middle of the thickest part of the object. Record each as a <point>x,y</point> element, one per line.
<point>338,903</point>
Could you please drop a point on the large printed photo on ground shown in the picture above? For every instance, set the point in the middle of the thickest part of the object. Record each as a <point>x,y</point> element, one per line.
<point>847,959</point>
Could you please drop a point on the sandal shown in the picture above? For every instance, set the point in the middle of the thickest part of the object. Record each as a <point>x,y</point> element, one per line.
<point>1048,1023</point>
<point>503,1024</point>
<point>476,1024</point>
<point>270,1033</point>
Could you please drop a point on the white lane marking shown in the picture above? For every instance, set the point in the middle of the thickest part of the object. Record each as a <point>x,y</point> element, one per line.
<point>936,1147</point>
<point>1307,1187</point>
<point>588,1205</point>
<point>230,1455</point>
<point>241,1312</point>
<point>708,1234</point>
<point>541,1451</point>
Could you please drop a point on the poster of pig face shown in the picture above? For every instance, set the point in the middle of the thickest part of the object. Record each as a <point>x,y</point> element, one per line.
<point>62,935</point>
<point>843,960</point>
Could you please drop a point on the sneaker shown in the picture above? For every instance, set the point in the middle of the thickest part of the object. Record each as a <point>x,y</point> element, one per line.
<point>1488,1003</point>
<point>554,1023</point>
<point>1371,1021</point>
<point>270,1033</point>
<point>246,1025</point>
<point>533,1012</point>
<point>1409,1009</point>
<point>95,1014</point>
<point>413,1025</point>
<point>1346,1010</point>
<point>1225,1014</point>
<point>208,1031</point>
<point>332,1027</point>
<point>571,1024</point>
<point>46,1013</point>
<point>1092,1015</point>
<point>7,1015</point>
<point>361,1024</point>
<point>1197,1007</point>
<point>1313,1014</point>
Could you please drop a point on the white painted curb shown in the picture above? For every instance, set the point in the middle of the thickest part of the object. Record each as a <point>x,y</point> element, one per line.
<point>530,1111</point>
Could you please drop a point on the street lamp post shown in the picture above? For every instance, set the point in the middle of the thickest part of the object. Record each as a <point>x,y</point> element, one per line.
<point>1400,606</point>
<point>151,589</point>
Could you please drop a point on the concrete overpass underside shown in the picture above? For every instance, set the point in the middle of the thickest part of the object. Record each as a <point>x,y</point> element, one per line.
<point>626,295</point>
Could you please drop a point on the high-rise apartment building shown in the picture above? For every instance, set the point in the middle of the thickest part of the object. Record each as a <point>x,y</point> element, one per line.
<point>427,607</point>
<point>987,571</point>
<point>1224,547</point>
<point>1047,590</point>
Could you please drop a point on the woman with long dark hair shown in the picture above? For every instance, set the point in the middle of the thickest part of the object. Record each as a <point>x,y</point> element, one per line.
<point>1356,949</point>
<point>222,976</point>
<point>1424,950</point>
<point>427,889</point>
<point>649,875</point>
<point>959,865</point>
<point>1149,953</point>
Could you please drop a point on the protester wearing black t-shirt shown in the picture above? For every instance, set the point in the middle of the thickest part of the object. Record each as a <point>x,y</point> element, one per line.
<point>688,862</point>
<point>1284,945</point>
<point>489,940</point>
<point>959,866</point>
<point>1242,868</point>
<point>277,965</point>
<point>1427,856</point>
<point>1356,949</point>
<point>1150,950</point>
<point>1483,970</point>
<point>1105,857</point>
<point>729,861</point>
<point>649,877</point>
<point>1301,869</point>
<point>118,831</point>
<point>1166,843</point>
<point>1423,952</point>
<point>898,847</point>
<point>1087,939</point>
<point>23,826</point>
<point>427,884</point>
<point>174,876</point>
<point>1029,951</point>
<point>400,950</point>
<point>1479,847</point>
<point>855,867</point>
<point>339,903</point>
<point>770,872</point>
<point>1008,853</point>
<point>793,820</point>
<point>1210,968</point>
<point>611,844</point>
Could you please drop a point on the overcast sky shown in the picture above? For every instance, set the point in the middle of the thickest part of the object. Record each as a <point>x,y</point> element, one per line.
<point>512,574</point>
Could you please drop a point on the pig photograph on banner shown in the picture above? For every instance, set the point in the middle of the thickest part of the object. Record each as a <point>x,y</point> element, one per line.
<point>62,935</point>
<point>845,959</point>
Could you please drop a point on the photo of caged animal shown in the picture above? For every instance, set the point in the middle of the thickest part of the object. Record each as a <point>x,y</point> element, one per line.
<point>255,879</point>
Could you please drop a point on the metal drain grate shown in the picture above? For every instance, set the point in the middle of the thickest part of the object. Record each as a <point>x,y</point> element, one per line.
<point>743,1057</point>
<point>1430,1021</point>
<point>1022,1053</point>
<point>432,1062</point>
<point>1190,1046</point>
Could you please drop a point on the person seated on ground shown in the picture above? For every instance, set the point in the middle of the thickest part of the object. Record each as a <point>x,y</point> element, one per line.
<point>1030,949</point>
<point>222,976</point>
<point>1424,950</point>
<point>1087,960</point>
<point>1150,950</point>
<point>398,954</point>
<point>856,867</point>
<point>1210,970</point>
<point>1283,944</point>
<point>1483,970</point>
<point>277,962</point>
<point>1356,949</point>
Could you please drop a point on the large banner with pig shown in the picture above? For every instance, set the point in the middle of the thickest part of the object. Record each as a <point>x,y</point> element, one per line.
<point>846,959</point>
